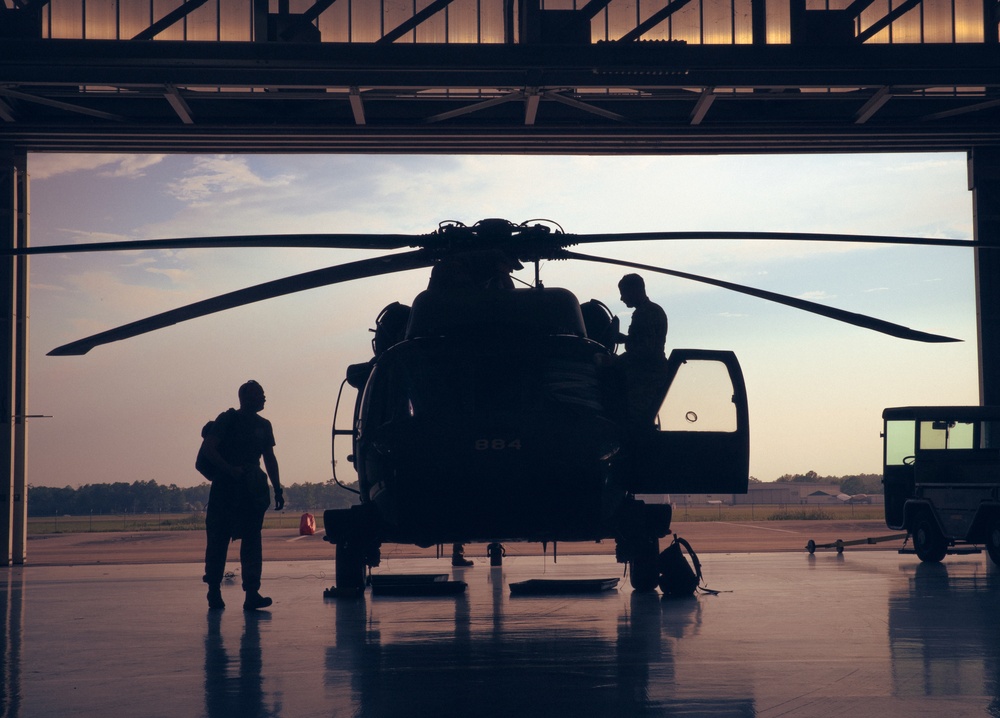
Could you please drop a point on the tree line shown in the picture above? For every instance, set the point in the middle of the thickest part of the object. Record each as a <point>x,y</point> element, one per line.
<point>148,497</point>
<point>851,484</point>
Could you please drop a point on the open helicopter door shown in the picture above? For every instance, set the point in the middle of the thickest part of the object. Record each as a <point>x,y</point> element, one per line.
<point>702,442</point>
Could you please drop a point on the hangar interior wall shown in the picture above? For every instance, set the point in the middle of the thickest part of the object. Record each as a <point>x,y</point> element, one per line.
<point>718,22</point>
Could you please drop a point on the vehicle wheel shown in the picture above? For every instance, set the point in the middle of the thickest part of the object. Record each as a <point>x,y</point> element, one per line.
<point>928,541</point>
<point>350,571</point>
<point>993,541</point>
<point>644,570</point>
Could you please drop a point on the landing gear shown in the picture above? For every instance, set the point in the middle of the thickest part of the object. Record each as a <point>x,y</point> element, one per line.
<point>350,570</point>
<point>496,552</point>
<point>357,548</point>
<point>637,544</point>
<point>643,568</point>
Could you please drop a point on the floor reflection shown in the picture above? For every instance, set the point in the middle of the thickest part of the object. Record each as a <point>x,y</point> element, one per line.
<point>864,634</point>
<point>943,633</point>
<point>12,608</point>
<point>500,665</point>
<point>234,688</point>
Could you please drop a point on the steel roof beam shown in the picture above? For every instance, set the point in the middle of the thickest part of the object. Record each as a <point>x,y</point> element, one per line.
<point>173,97</point>
<point>857,7</point>
<point>404,27</point>
<point>586,107</point>
<point>531,100</point>
<point>703,105</point>
<point>593,8</point>
<point>7,112</point>
<point>60,105</point>
<point>476,107</point>
<point>876,27</point>
<point>357,106</point>
<point>318,8</point>
<point>877,101</point>
<point>653,20</point>
<point>169,19</point>
<point>98,62</point>
<point>977,107</point>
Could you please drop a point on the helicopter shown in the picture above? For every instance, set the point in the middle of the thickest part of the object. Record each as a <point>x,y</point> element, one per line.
<point>490,413</point>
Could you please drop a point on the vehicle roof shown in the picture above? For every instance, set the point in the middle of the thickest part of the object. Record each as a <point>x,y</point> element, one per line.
<point>931,413</point>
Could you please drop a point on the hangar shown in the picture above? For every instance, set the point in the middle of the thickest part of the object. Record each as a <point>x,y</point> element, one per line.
<point>609,77</point>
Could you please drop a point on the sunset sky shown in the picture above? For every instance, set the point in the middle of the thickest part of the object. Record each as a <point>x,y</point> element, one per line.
<point>133,410</point>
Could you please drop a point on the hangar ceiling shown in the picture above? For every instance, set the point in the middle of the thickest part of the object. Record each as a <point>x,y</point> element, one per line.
<point>490,76</point>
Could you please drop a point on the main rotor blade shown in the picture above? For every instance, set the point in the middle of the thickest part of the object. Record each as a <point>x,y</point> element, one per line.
<point>397,241</point>
<point>799,236</point>
<point>859,320</point>
<point>267,290</point>
<point>322,241</point>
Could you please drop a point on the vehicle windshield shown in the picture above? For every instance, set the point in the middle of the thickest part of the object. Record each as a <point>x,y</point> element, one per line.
<point>943,434</point>
<point>904,438</point>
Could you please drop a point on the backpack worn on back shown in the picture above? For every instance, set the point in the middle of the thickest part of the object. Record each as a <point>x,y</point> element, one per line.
<point>205,467</point>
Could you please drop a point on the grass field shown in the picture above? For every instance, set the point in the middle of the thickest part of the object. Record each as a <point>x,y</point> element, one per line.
<point>144,522</point>
<point>290,519</point>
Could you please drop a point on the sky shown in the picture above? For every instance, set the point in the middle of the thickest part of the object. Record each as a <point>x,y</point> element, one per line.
<point>133,410</point>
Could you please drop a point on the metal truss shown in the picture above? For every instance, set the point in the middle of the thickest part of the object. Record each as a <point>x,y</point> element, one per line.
<point>616,97</point>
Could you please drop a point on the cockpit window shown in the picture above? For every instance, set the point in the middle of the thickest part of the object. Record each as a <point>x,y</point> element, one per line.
<point>700,399</point>
<point>446,383</point>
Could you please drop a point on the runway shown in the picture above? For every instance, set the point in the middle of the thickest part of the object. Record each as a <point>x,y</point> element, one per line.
<point>867,633</point>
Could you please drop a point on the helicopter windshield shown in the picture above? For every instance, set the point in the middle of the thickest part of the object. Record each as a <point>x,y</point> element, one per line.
<point>425,381</point>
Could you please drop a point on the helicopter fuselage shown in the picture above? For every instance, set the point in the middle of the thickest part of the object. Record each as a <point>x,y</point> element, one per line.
<point>462,439</point>
<point>496,418</point>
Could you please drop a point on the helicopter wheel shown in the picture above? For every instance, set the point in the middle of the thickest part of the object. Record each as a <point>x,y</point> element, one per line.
<point>350,567</point>
<point>644,571</point>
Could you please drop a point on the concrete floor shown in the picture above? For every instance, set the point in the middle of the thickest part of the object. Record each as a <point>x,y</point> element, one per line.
<point>870,633</point>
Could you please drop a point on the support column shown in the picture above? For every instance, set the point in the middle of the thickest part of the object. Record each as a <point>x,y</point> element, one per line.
<point>13,357</point>
<point>758,21</point>
<point>984,181</point>
<point>8,223</point>
<point>20,501</point>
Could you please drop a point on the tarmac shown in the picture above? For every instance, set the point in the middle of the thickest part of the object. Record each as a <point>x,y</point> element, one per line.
<point>863,632</point>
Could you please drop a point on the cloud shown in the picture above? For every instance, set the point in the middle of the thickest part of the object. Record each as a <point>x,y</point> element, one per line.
<point>817,295</point>
<point>212,176</point>
<point>44,166</point>
<point>174,275</point>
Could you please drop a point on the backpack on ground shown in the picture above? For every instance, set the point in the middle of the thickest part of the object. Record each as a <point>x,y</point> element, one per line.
<point>677,578</point>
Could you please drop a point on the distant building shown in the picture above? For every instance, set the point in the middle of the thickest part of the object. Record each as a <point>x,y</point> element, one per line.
<point>774,492</point>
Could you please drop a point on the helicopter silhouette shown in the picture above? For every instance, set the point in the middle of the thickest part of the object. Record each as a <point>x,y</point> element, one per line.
<point>489,413</point>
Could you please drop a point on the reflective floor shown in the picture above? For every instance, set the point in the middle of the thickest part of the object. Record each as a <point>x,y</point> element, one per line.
<point>866,634</point>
